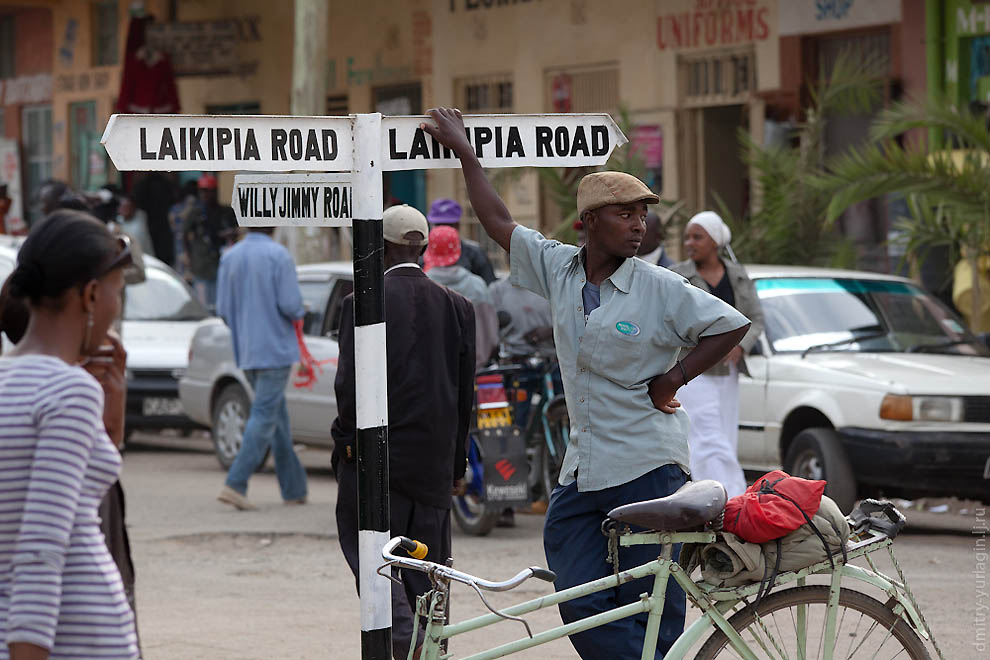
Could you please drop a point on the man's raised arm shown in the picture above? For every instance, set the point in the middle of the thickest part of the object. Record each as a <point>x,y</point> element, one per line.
<point>488,206</point>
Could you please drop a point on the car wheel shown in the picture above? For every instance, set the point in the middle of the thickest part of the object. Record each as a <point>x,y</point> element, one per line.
<point>818,454</point>
<point>230,416</point>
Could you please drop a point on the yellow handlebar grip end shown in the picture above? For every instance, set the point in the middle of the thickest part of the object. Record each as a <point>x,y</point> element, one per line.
<point>420,551</point>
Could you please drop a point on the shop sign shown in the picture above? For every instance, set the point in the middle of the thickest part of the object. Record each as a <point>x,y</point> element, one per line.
<point>811,16</point>
<point>26,89</point>
<point>712,23</point>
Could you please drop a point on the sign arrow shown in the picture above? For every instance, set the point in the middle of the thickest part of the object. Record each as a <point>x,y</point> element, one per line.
<point>267,143</point>
<point>563,140</point>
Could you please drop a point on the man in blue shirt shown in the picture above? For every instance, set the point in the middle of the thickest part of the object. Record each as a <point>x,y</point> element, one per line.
<point>258,298</point>
<point>619,326</point>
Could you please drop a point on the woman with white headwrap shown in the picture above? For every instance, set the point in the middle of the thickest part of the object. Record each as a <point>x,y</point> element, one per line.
<point>712,399</point>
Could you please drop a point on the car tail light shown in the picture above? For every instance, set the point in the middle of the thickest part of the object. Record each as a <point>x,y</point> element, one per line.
<point>491,392</point>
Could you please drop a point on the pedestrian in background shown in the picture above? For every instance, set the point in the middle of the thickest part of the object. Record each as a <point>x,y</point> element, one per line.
<point>651,250</point>
<point>447,213</point>
<point>57,455</point>
<point>134,222</point>
<point>442,265</point>
<point>179,215</point>
<point>430,372</point>
<point>712,398</point>
<point>205,233</point>
<point>258,297</point>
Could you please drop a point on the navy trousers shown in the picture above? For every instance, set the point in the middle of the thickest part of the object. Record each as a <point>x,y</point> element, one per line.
<point>577,551</point>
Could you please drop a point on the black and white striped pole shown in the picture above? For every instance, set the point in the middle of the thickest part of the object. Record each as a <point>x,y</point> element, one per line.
<point>371,387</point>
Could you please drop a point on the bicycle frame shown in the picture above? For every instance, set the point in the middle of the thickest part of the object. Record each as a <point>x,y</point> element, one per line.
<point>716,603</point>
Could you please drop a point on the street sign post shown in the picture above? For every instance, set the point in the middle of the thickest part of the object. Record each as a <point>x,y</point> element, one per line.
<point>363,146</point>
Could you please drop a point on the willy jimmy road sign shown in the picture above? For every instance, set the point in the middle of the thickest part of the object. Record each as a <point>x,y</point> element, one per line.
<point>359,148</point>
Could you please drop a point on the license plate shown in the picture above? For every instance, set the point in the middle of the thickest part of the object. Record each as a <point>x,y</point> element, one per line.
<point>161,407</point>
<point>494,418</point>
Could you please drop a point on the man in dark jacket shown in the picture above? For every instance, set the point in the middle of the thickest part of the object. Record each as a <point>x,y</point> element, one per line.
<point>430,349</point>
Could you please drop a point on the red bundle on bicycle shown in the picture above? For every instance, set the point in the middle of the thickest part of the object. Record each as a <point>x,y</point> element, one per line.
<point>773,507</point>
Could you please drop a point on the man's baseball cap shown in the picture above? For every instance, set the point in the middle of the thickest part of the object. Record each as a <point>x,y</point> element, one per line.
<point>445,248</point>
<point>399,220</point>
<point>603,188</point>
<point>444,212</point>
<point>207,181</point>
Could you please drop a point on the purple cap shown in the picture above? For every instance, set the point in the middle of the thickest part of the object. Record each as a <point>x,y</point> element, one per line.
<point>444,212</point>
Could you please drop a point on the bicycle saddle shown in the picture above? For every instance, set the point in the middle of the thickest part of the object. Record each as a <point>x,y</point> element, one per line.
<point>692,505</point>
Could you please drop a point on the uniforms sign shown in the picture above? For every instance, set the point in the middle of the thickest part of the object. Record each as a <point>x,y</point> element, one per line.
<point>296,200</point>
<point>574,140</point>
<point>214,143</point>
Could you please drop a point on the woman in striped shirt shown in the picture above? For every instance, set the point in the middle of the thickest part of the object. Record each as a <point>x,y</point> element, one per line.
<point>60,592</point>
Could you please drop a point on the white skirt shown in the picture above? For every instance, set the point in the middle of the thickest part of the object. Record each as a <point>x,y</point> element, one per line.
<point>712,404</point>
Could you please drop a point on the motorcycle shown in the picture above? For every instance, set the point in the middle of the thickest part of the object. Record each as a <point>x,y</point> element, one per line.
<point>510,465</point>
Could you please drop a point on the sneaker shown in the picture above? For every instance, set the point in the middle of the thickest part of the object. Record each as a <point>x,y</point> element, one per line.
<point>230,496</point>
<point>298,500</point>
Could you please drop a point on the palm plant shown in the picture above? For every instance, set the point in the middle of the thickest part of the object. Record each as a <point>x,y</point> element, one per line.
<point>786,224</point>
<point>949,191</point>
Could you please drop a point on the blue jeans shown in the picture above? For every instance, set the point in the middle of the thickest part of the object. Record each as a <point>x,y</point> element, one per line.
<point>577,550</point>
<point>268,426</point>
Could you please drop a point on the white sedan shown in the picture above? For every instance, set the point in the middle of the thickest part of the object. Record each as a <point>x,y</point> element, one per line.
<point>867,381</point>
<point>215,393</point>
<point>160,316</point>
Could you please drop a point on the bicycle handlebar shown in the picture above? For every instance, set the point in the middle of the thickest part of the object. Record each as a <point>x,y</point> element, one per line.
<point>418,564</point>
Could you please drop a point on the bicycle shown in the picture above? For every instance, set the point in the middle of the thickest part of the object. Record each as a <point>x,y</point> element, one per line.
<point>795,622</point>
<point>544,440</point>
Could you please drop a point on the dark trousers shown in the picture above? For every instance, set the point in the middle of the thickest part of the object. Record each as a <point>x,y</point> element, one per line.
<point>410,518</point>
<point>577,550</point>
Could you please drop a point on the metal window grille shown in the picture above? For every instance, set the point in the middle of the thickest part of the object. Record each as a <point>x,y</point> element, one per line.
<point>723,78</point>
<point>36,136</point>
<point>490,94</point>
<point>592,88</point>
<point>245,108</point>
<point>337,105</point>
<point>871,50</point>
<point>105,19</point>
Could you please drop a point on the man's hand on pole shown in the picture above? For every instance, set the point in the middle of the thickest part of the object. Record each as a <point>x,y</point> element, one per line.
<point>488,206</point>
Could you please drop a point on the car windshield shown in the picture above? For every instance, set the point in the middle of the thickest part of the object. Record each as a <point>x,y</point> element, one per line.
<point>161,297</point>
<point>846,314</point>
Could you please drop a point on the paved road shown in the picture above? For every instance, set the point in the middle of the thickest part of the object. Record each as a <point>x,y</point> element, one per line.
<point>216,583</point>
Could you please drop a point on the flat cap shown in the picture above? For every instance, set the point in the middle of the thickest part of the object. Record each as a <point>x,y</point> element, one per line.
<point>399,220</point>
<point>603,188</point>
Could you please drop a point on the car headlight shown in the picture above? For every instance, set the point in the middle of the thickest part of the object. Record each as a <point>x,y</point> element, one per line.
<point>907,408</point>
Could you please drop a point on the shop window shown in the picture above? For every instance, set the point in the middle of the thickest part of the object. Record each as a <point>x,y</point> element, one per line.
<point>485,94</point>
<point>337,105</point>
<point>8,52</point>
<point>36,137</point>
<point>724,78</point>
<point>105,20</point>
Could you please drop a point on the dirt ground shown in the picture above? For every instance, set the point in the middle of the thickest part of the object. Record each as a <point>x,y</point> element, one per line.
<point>214,583</point>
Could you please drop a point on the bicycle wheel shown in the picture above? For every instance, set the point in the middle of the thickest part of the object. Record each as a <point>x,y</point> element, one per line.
<point>559,428</point>
<point>865,628</point>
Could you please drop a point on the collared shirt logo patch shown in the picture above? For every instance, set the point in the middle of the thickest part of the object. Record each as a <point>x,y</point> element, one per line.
<point>627,328</point>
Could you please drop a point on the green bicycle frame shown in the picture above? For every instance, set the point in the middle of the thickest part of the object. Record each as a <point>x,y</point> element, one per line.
<point>714,602</point>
